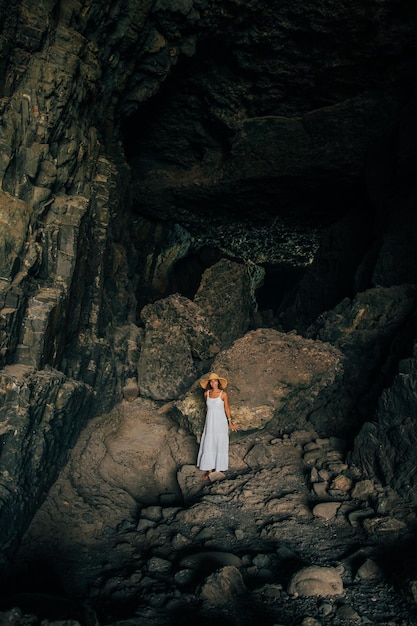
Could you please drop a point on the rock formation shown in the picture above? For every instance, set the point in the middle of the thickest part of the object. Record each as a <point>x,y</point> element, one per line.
<point>190,184</point>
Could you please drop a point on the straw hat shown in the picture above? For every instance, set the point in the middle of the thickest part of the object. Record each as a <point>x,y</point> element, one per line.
<point>213,376</point>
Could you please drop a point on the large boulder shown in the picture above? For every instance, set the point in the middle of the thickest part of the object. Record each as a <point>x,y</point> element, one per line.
<point>318,581</point>
<point>176,334</point>
<point>226,295</point>
<point>272,377</point>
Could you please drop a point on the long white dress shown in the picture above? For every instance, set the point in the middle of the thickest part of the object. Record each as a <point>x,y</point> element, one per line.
<point>214,445</point>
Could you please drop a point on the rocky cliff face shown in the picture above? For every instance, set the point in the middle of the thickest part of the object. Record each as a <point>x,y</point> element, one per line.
<point>185,181</point>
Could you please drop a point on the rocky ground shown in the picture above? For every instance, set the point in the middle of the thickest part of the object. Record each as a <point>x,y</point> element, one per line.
<point>292,534</point>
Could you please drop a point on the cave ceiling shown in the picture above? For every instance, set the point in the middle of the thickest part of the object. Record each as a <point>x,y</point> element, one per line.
<point>267,116</point>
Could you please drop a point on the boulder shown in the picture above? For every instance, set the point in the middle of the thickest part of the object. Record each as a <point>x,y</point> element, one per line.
<point>272,376</point>
<point>223,586</point>
<point>176,334</point>
<point>316,581</point>
<point>226,295</point>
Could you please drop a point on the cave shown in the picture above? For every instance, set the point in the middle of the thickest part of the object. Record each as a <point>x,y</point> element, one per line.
<point>195,187</point>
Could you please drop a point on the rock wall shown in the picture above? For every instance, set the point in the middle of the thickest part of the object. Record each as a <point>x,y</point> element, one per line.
<point>60,193</point>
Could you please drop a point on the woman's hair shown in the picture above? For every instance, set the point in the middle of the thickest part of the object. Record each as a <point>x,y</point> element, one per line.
<point>208,386</point>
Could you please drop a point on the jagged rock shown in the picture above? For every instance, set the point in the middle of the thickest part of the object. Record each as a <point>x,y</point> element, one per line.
<point>363,329</point>
<point>321,489</point>
<point>391,441</point>
<point>369,570</point>
<point>326,510</point>
<point>130,390</point>
<point>223,586</point>
<point>189,486</point>
<point>239,110</point>
<point>157,565</point>
<point>341,483</point>
<point>316,581</point>
<point>363,490</point>
<point>14,220</point>
<point>384,525</point>
<point>234,522</point>
<point>227,296</point>
<point>348,614</point>
<point>176,333</point>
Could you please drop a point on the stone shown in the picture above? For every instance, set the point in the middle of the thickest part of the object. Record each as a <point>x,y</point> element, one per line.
<point>363,489</point>
<point>157,565</point>
<point>184,577</point>
<point>130,390</point>
<point>223,586</point>
<point>341,483</point>
<point>348,614</point>
<point>369,570</point>
<point>310,621</point>
<point>320,490</point>
<point>226,295</point>
<point>359,515</point>
<point>35,403</point>
<point>326,510</point>
<point>176,331</point>
<point>153,513</point>
<point>216,476</point>
<point>316,581</point>
<point>384,525</point>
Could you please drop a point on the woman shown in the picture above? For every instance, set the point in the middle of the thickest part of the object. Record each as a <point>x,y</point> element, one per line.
<point>213,454</point>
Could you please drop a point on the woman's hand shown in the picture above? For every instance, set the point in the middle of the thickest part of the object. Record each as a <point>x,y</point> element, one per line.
<point>233,426</point>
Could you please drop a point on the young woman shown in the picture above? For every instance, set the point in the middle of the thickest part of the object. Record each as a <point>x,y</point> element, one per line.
<point>213,454</point>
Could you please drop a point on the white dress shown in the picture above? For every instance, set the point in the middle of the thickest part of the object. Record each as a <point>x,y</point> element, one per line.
<point>214,445</point>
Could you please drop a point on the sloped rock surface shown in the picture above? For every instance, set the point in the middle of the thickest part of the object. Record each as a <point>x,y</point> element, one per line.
<point>233,550</point>
<point>37,430</point>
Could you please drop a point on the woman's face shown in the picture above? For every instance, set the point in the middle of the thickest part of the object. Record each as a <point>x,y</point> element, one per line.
<point>214,383</point>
